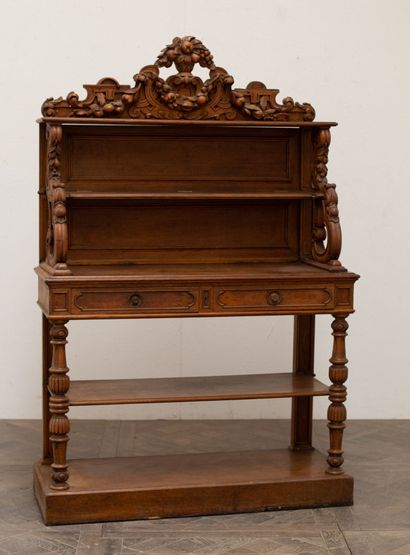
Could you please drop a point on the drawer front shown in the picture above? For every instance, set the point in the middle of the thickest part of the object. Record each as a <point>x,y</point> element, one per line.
<point>135,301</point>
<point>271,300</point>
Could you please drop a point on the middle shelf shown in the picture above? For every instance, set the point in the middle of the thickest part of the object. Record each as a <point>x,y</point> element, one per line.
<point>200,388</point>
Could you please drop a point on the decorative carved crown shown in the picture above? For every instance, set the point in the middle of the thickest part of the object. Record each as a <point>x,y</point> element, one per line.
<point>180,96</point>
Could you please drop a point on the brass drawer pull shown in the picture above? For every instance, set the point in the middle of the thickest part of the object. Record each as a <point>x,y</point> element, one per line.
<point>135,300</point>
<point>274,298</point>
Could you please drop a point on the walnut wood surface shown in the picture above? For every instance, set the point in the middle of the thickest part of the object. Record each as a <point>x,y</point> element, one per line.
<point>187,123</point>
<point>196,272</point>
<point>132,291</point>
<point>201,388</point>
<point>59,425</point>
<point>188,196</point>
<point>190,484</point>
<point>337,394</point>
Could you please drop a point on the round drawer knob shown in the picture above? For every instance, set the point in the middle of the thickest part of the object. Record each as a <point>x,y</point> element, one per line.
<point>274,298</point>
<point>135,300</point>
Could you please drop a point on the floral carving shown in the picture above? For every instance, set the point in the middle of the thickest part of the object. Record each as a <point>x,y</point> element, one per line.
<point>326,224</point>
<point>102,101</point>
<point>259,102</point>
<point>180,96</point>
<point>57,235</point>
<point>185,53</point>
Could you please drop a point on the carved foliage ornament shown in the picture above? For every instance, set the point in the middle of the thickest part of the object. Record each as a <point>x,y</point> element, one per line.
<point>327,234</point>
<point>180,96</point>
<point>57,235</point>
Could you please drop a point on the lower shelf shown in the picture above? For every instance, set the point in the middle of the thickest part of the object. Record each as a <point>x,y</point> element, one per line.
<point>199,388</point>
<point>190,484</point>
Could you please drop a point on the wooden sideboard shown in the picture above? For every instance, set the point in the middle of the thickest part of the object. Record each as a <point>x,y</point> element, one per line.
<point>182,198</point>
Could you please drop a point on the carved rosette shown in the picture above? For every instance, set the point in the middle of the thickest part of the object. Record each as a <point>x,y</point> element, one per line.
<point>180,96</point>
<point>57,234</point>
<point>58,385</point>
<point>337,394</point>
<point>327,233</point>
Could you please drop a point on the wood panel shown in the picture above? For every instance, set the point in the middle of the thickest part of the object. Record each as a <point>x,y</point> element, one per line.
<point>156,159</point>
<point>262,298</point>
<point>130,300</point>
<point>178,232</point>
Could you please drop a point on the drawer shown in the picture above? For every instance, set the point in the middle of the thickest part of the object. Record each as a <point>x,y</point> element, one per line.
<point>264,299</point>
<point>135,300</point>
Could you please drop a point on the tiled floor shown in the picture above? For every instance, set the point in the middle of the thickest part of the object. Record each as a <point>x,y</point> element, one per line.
<point>377,455</point>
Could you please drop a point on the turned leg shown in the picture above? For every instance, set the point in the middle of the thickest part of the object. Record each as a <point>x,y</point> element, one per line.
<point>303,359</point>
<point>337,394</point>
<point>58,384</point>
<point>47,451</point>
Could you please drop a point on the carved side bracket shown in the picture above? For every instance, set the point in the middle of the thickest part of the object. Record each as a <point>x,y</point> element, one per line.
<point>327,233</point>
<point>180,96</point>
<point>57,234</point>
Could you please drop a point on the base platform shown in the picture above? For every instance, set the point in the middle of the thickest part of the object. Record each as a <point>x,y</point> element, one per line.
<point>190,484</point>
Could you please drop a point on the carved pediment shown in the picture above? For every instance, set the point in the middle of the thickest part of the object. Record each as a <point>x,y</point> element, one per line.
<point>180,96</point>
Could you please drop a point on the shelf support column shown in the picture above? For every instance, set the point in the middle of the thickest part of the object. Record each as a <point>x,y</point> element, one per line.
<point>337,394</point>
<point>58,385</point>
<point>47,358</point>
<point>303,361</point>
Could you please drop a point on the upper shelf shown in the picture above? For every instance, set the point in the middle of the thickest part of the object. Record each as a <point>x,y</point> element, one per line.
<point>181,122</point>
<point>191,195</point>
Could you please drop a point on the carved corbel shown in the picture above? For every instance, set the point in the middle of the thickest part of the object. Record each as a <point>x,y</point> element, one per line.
<point>57,233</point>
<point>327,233</point>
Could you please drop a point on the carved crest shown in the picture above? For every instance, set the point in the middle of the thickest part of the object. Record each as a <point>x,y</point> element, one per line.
<point>180,96</point>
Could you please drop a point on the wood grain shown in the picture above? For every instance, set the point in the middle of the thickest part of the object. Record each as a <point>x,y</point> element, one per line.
<point>190,484</point>
<point>201,388</point>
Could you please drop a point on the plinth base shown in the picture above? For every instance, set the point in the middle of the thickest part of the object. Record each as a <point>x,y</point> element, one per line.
<point>190,484</point>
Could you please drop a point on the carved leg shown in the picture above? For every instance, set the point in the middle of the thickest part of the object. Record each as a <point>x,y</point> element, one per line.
<point>337,394</point>
<point>303,359</point>
<point>47,451</point>
<point>58,384</point>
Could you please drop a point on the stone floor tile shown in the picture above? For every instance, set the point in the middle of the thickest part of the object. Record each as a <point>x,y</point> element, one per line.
<point>213,543</point>
<point>379,542</point>
<point>100,546</point>
<point>378,523</point>
<point>335,541</point>
<point>35,544</point>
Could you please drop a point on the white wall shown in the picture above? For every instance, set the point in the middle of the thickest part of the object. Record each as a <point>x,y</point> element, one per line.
<point>349,59</point>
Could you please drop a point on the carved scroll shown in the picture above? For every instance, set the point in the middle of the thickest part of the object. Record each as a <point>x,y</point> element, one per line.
<point>180,96</point>
<point>326,213</point>
<point>57,235</point>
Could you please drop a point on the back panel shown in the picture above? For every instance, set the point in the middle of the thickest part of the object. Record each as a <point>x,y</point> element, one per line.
<point>101,163</point>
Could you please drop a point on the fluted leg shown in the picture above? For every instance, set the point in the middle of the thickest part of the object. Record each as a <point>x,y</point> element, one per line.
<point>58,384</point>
<point>47,348</point>
<point>337,394</point>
